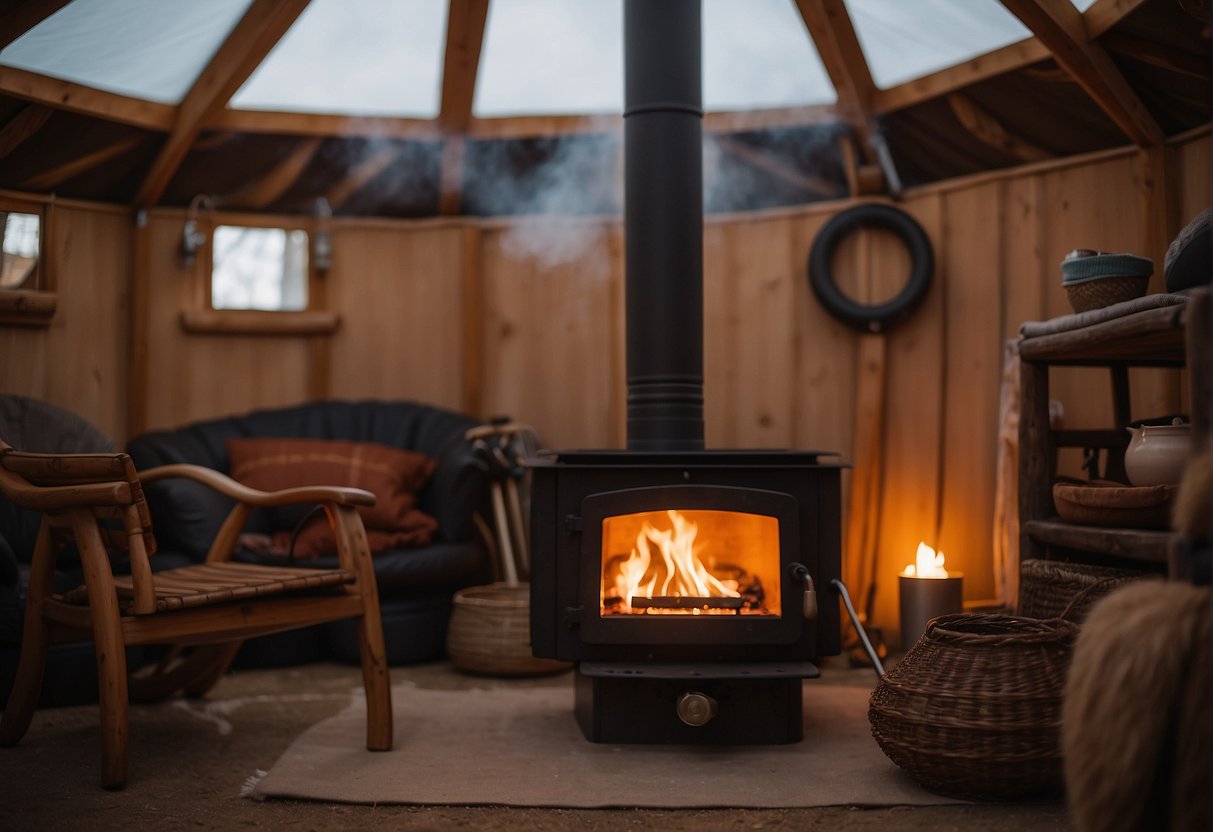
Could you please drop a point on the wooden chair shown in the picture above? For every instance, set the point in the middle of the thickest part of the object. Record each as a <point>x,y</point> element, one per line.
<point>95,501</point>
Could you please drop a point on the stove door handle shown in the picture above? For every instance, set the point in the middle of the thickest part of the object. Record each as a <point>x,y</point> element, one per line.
<point>801,572</point>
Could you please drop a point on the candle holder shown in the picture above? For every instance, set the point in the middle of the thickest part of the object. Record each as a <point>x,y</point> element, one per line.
<point>925,598</point>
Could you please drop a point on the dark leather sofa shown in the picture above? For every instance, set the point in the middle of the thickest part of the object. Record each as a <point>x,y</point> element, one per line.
<point>415,584</point>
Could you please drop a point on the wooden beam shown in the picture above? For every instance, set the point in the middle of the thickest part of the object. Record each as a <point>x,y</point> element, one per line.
<point>984,126</point>
<point>1104,14</point>
<point>322,124</point>
<point>261,27</point>
<point>992,64</point>
<point>51,178</point>
<point>830,27</point>
<point>1059,26</point>
<point>450,184</point>
<point>270,187</point>
<point>366,170</point>
<point>464,38</point>
<point>20,127</point>
<point>76,98</point>
<point>760,160</point>
<point>19,16</point>
<point>1156,54</point>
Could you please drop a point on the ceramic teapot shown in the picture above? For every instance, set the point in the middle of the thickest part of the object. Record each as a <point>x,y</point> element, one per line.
<point>1157,454</point>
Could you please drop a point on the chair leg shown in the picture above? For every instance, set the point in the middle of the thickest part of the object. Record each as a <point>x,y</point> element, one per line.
<point>27,686</point>
<point>375,681</point>
<point>110,649</point>
<point>354,553</point>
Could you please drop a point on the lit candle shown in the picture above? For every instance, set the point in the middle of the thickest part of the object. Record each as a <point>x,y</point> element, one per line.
<point>927,590</point>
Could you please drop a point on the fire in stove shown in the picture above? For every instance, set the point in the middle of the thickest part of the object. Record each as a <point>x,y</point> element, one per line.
<point>689,562</point>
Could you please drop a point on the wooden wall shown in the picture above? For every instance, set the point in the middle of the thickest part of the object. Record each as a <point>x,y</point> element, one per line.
<point>525,318</point>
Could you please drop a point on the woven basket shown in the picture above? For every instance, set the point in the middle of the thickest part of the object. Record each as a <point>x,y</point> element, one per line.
<point>1052,589</point>
<point>490,632</point>
<point>973,710</point>
<point>1105,291</point>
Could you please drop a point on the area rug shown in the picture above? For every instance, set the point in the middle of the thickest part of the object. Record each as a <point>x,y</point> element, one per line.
<point>522,747</point>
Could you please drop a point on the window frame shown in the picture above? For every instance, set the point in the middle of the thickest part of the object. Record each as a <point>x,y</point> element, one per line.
<point>204,319</point>
<point>34,306</point>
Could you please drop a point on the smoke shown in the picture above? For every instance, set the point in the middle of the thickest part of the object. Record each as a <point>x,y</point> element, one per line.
<point>553,186</point>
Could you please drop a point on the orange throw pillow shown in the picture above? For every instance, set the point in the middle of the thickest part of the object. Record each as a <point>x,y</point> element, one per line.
<point>393,475</point>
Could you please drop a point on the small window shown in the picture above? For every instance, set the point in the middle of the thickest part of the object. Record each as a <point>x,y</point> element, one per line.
<point>261,277</point>
<point>259,268</point>
<point>27,296</point>
<point>21,234</point>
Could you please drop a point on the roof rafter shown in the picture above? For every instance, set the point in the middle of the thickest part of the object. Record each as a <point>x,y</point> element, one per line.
<point>1104,14</point>
<point>77,98</point>
<point>269,188</point>
<point>49,179</point>
<point>1059,26</point>
<point>989,130</point>
<point>830,27</point>
<point>19,16</point>
<point>20,127</point>
<point>254,36</point>
<point>364,172</point>
<point>464,39</point>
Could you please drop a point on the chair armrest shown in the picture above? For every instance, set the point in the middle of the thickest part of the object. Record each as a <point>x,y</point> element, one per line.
<point>340,495</point>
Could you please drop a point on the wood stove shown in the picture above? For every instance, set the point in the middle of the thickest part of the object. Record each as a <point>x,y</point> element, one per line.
<point>681,580</point>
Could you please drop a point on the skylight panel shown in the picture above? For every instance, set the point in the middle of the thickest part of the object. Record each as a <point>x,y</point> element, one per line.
<point>551,56</point>
<point>1083,5</point>
<point>355,57</point>
<point>905,40</point>
<point>566,56</point>
<point>758,54</point>
<point>149,49</point>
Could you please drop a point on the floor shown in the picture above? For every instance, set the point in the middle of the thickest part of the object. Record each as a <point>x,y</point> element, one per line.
<point>189,759</point>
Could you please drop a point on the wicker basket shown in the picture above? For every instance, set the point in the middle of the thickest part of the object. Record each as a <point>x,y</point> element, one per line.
<point>1105,291</point>
<point>1052,589</point>
<point>973,710</point>
<point>490,632</point>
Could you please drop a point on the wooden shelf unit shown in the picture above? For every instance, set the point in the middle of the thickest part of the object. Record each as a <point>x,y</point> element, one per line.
<point>1158,337</point>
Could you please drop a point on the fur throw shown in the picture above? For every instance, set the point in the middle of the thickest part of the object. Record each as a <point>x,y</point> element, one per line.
<point>1135,716</point>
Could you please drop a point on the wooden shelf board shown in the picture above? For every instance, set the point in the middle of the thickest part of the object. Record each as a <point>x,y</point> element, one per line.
<point>1131,544</point>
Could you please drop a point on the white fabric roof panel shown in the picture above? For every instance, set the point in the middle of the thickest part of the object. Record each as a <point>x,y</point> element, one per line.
<point>145,49</point>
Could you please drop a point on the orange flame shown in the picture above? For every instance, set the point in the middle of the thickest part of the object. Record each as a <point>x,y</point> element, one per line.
<point>664,563</point>
<point>927,564</point>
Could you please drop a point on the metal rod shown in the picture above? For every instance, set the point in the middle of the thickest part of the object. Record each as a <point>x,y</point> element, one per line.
<point>863,635</point>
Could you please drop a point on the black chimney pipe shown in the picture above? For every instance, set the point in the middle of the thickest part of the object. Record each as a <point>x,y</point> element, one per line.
<point>663,223</point>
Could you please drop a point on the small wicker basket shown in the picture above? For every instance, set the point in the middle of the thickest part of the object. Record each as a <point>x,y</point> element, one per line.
<point>490,632</point>
<point>1055,589</point>
<point>973,710</point>
<point>1105,291</point>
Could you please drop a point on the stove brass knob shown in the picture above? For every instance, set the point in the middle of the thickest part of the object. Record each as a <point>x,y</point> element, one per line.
<point>696,709</point>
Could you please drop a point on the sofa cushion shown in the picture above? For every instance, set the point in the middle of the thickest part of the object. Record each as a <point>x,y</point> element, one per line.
<point>393,475</point>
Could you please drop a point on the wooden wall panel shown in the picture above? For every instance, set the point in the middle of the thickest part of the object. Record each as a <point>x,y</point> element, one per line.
<point>192,377</point>
<point>548,328</point>
<point>400,298</point>
<point>749,334</point>
<point>972,249</point>
<point>80,361</point>
<point>913,429</point>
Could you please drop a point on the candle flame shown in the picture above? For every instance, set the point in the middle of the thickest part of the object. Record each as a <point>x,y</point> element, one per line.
<point>927,564</point>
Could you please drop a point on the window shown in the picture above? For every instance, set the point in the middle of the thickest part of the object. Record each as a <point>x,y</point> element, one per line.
<point>26,293</point>
<point>259,268</point>
<point>257,276</point>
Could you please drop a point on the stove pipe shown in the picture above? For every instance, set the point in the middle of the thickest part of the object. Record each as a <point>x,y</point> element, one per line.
<point>663,224</point>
